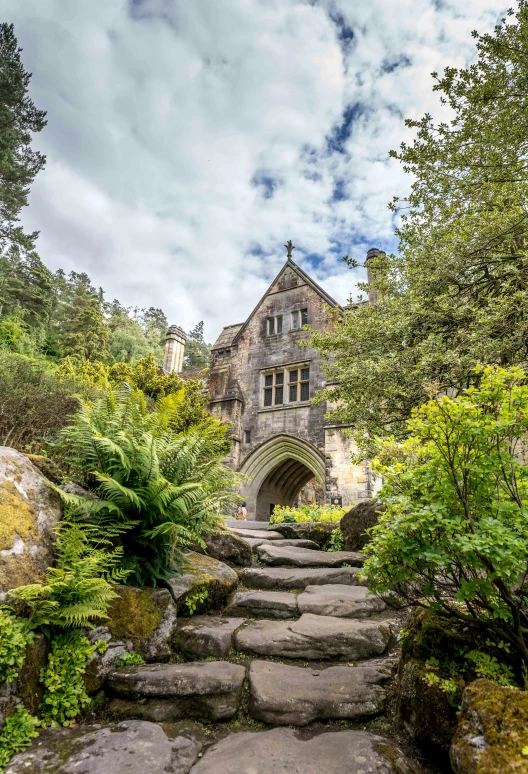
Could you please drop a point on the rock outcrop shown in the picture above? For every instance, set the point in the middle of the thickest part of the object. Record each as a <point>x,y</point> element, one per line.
<point>205,584</point>
<point>146,617</point>
<point>355,523</point>
<point>318,531</point>
<point>29,512</point>
<point>492,732</point>
<point>226,546</point>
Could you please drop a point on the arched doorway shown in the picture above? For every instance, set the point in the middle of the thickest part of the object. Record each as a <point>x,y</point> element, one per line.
<point>276,472</point>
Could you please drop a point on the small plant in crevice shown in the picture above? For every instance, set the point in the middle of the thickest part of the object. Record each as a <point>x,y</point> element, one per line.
<point>17,734</point>
<point>65,694</point>
<point>196,599</point>
<point>336,541</point>
<point>14,639</point>
<point>129,659</point>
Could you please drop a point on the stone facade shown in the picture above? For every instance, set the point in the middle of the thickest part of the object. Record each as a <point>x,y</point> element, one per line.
<point>262,379</point>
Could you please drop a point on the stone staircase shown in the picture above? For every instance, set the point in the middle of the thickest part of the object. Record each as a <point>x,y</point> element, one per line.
<point>300,642</point>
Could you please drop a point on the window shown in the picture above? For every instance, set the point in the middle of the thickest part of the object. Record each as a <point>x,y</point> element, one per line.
<point>274,388</point>
<point>299,318</point>
<point>268,397</point>
<point>294,386</point>
<point>274,325</point>
<point>305,384</point>
<point>247,436</point>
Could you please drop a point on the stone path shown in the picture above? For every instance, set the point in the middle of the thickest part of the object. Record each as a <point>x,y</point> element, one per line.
<point>300,643</point>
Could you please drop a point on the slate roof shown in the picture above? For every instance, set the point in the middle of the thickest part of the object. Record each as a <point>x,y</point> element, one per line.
<point>226,337</point>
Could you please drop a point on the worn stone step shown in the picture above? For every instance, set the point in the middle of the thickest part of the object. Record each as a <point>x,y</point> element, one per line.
<point>285,578</point>
<point>290,695</point>
<point>235,524</point>
<point>279,556</point>
<point>288,751</point>
<point>314,637</point>
<point>208,690</point>
<point>264,604</point>
<point>319,531</point>
<point>256,542</point>
<point>339,600</point>
<point>204,636</point>
<point>257,534</point>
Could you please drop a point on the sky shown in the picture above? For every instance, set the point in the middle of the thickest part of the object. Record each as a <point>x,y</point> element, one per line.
<point>188,140</point>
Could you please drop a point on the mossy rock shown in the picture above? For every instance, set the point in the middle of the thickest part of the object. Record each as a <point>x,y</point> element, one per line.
<point>205,584</point>
<point>146,617</point>
<point>227,547</point>
<point>29,513</point>
<point>356,521</point>
<point>47,467</point>
<point>318,531</point>
<point>492,733</point>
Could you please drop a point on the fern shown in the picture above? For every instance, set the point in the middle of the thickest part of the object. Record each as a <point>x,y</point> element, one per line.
<point>77,591</point>
<point>157,489</point>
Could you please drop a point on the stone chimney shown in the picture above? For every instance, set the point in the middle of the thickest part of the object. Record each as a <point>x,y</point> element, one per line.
<point>174,346</point>
<point>373,295</point>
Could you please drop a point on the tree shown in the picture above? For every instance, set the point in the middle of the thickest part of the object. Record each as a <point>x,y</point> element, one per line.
<point>79,325</point>
<point>454,534</point>
<point>456,295</point>
<point>19,164</point>
<point>197,354</point>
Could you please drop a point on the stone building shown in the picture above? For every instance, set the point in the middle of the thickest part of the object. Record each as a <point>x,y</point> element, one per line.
<point>261,381</point>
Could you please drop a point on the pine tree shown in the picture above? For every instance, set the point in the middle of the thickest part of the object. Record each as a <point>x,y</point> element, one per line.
<point>197,352</point>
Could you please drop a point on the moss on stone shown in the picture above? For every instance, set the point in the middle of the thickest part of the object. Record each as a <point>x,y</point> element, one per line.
<point>46,466</point>
<point>17,516</point>
<point>136,613</point>
<point>498,718</point>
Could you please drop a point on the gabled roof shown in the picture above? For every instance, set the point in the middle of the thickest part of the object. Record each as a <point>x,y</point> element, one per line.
<point>307,280</point>
<point>226,337</point>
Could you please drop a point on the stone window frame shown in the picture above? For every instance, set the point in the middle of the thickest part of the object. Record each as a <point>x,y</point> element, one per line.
<point>274,325</point>
<point>277,384</point>
<point>299,316</point>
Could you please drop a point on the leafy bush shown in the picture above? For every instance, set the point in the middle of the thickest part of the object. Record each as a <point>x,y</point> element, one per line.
<point>336,541</point>
<point>158,489</point>
<point>78,589</point>
<point>284,514</point>
<point>129,659</point>
<point>454,536</point>
<point>14,639</point>
<point>17,733</point>
<point>65,694</point>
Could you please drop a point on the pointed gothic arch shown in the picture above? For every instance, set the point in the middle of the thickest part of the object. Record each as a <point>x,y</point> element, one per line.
<point>277,470</point>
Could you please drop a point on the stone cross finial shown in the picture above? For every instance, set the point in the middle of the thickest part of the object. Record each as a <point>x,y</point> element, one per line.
<point>289,247</point>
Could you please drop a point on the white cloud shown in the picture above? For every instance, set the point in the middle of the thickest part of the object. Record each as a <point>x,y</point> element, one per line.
<point>188,140</point>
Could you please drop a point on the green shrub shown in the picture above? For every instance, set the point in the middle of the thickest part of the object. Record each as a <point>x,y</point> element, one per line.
<point>454,535</point>
<point>17,733</point>
<point>157,489</point>
<point>284,514</point>
<point>336,541</point>
<point>129,659</point>
<point>65,694</point>
<point>14,639</point>
<point>78,589</point>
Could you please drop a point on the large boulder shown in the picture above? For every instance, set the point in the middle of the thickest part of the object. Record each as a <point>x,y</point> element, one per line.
<point>355,523</point>
<point>146,617</point>
<point>227,547</point>
<point>492,732</point>
<point>131,747</point>
<point>205,584</point>
<point>318,531</point>
<point>29,512</point>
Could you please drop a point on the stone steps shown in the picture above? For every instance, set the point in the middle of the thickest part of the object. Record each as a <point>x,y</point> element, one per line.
<point>315,637</point>
<point>256,542</point>
<point>332,599</point>
<point>279,556</point>
<point>286,578</point>
<point>292,695</point>
<point>206,690</point>
<point>206,636</point>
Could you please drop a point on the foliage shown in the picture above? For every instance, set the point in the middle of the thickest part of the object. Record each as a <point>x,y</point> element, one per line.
<point>19,164</point>
<point>455,296</point>
<point>14,639</point>
<point>195,599</point>
<point>284,514</point>
<point>78,589</point>
<point>157,488</point>
<point>336,541</point>
<point>454,535</point>
<point>17,733</point>
<point>34,403</point>
<point>197,353</point>
<point>129,659</point>
<point>490,667</point>
<point>65,694</point>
